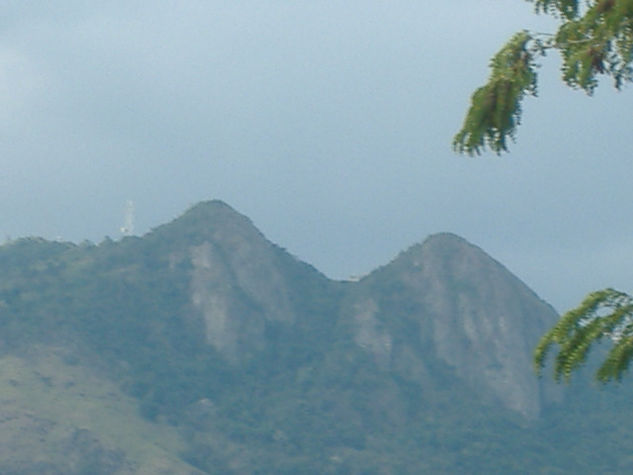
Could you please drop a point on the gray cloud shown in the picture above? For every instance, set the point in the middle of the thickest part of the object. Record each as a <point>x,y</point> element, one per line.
<point>328,123</point>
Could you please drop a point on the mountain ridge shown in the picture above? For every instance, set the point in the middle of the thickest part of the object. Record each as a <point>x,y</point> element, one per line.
<point>425,267</point>
<point>254,361</point>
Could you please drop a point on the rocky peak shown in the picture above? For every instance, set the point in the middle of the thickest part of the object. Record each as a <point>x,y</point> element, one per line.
<point>238,279</point>
<point>487,322</point>
<point>211,220</point>
<point>479,318</point>
<point>441,300</point>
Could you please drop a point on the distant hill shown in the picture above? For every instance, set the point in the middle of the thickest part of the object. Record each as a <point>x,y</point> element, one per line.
<point>202,347</point>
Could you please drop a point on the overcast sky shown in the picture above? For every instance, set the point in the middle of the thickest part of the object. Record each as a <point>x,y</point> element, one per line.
<point>328,123</point>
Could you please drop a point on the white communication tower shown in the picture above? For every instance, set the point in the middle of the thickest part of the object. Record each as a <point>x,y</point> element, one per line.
<point>128,221</point>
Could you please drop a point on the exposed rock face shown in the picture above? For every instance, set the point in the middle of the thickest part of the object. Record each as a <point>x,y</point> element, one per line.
<point>237,304</point>
<point>370,334</point>
<point>466,309</point>
<point>486,321</point>
<point>236,283</point>
<point>480,319</point>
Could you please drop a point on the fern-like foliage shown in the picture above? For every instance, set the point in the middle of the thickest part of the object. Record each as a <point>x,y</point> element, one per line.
<point>599,42</point>
<point>567,9</point>
<point>603,314</point>
<point>495,111</point>
<point>595,41</point>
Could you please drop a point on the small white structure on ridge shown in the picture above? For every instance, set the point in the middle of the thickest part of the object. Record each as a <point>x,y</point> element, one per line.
<point>128,222</point>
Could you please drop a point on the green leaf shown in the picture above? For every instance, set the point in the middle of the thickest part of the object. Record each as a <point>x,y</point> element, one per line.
<point>604,314</point>
<point>495,110</point>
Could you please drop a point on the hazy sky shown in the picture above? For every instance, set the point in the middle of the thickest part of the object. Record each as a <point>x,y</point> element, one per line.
<point>328,123</point>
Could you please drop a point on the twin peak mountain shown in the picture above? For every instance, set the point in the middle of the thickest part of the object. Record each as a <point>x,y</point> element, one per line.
<point>201,347</point>
<point>443,310</point>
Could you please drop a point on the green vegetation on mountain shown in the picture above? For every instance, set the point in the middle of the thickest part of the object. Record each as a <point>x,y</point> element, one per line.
<point>203,348</point>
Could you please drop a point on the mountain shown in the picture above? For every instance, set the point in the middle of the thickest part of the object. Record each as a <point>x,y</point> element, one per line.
<point>202,347</point>
<point>477,317</point>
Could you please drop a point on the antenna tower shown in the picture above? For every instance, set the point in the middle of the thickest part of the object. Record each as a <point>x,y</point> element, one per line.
<point>128,221</point>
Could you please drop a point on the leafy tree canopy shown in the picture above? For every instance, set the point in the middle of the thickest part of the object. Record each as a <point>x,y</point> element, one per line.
<point>594,38</point>
<point>603,314</point>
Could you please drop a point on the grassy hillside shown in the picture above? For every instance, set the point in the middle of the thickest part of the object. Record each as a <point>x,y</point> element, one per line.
<point>59,416</point>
